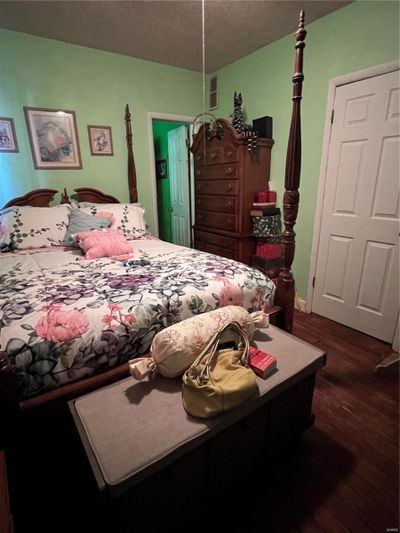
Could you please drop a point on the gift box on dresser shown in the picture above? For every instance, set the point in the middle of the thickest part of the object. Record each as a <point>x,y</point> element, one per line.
<point>265,226</point>
<point>266,197</point>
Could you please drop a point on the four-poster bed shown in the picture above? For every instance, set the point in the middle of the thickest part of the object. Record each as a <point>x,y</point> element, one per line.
<point>281,312</point>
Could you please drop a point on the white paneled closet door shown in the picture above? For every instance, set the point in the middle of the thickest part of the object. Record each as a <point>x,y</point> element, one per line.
<point>178,166</point>
<point>357,273</point>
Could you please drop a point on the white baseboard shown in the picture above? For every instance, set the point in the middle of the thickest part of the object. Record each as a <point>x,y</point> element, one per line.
<point>300,304</point>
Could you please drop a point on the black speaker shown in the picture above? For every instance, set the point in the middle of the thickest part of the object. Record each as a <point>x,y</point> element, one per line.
<point>263,127</point>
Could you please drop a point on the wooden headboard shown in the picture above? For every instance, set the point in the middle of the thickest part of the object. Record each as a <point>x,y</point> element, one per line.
<point>88,194</point>
<point>35,198</point>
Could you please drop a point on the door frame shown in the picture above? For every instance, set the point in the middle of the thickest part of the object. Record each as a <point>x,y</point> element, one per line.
<point>168,117</point>
<point>334,83</point>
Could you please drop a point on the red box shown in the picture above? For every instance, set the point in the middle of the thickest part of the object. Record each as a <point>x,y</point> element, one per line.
<point>268,250</point>
<point>263,364</point>
<point>271,196</point>
<point>262,196</point>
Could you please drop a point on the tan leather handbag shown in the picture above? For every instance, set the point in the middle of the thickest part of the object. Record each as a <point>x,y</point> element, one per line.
<point>219,379</point>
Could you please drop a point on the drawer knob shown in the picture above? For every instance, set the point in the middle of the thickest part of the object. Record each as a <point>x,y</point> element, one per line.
<point>198,157</point>
<point>229,222</point>
<point>198,172</point>
<point>213,155</point>
<point>229,203</point>
<point>229,171</point>
<point>229,187</point>
<point>198,201</point>
<point>229,154</point>
<point>200,216</point>
<point>199,187</point>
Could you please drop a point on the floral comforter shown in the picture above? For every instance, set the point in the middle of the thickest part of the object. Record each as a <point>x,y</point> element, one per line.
<point>63,318</point>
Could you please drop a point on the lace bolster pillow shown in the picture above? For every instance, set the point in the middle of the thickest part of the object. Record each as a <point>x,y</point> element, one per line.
<point>175,348</point>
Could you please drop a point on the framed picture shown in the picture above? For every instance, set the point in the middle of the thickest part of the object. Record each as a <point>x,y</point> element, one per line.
<point>8,139</point>
<point>54,138</point>
<point>161,169</point>
<point>100,140</point>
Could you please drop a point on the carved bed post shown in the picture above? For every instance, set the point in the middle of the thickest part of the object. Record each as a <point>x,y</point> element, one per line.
<point>131,162</point>
<point>64,197</point>
<point>292,178</point>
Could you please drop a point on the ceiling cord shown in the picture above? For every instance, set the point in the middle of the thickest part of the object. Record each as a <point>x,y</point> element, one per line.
<point>203,52</point>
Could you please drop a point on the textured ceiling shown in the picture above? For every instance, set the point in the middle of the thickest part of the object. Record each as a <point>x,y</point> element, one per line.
<point>166,31</point>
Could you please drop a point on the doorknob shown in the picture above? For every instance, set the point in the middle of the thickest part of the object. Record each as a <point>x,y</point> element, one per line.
<point>170,209</point>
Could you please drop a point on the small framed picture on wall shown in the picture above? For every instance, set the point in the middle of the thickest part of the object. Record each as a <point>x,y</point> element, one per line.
<point>54,138</point>
<point>161,169</point>
<point>100,140</point>
<point>8,139</point>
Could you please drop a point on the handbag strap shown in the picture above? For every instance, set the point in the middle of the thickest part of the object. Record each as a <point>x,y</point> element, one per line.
<point>212,345</point>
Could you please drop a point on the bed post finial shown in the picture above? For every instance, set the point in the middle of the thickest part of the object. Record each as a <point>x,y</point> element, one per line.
<point>293,159</point>
<point>301,20</point>
<point>131,162</point>
<point>64,197</point>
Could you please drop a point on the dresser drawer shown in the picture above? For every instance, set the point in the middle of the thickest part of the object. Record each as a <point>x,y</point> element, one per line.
<point>219,204</point>
<point>229,187</point>
<point>212,249</point>
<point>217,172</point>
<point>216,220</point>
<point>217,154</point>
<point>215,239</point>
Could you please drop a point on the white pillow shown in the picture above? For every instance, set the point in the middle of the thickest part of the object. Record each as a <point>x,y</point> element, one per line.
<point>33,227</point>
<point>175,348</point>
<point>127,217</point>
<point>91,204</point>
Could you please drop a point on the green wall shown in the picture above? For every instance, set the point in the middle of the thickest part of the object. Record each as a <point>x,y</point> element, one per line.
<point>160,136</point>
<point>96,85</point>
<point>355,37</point>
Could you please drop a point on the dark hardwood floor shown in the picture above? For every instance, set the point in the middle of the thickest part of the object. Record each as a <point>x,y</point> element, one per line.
<point>346,477</point>
<point>341,476</point>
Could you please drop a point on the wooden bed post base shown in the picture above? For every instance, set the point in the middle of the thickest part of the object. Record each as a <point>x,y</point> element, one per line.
<point>284,298</point>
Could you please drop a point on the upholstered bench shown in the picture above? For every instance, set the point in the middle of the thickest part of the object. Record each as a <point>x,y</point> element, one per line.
<point>146,452</point>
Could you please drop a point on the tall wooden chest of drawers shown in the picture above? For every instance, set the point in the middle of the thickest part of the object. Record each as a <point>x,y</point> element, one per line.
<point>227,178</point>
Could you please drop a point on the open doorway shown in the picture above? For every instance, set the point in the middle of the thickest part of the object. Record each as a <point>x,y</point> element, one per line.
<point>171,143</point>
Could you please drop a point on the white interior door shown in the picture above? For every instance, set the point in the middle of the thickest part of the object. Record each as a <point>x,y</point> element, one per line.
<point>357,272</point>
<point>178,168</point>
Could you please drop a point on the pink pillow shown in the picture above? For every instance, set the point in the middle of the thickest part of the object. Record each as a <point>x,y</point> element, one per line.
<point>97,244</point>
<point>106,214</point>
